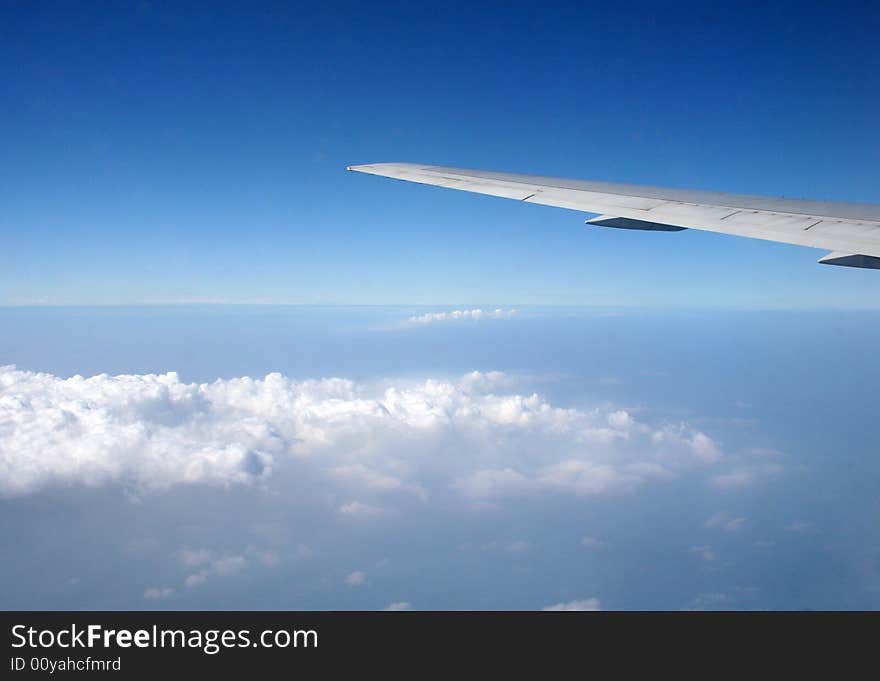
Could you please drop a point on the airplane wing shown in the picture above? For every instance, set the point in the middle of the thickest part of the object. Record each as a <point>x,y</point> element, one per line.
<point>851,231</point>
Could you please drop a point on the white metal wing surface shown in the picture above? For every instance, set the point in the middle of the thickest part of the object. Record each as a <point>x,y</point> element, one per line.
<point>851,231</point>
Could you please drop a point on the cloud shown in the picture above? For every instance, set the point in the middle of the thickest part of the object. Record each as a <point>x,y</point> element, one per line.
<point>228,565</point>
<point>265,557</point>
<point>746,476</point>
<point>196,579</point>
<point>462,315</point>
<point>590,604</point>
<point>573,476</point>
<point>711,601</point>
<point>757,465</point>
<point>356,509</point>
<point>369,447</point>
<point>356,578</point>
<point>398,607</point>
<point>620,420</point>
<point>705,552</point>
<point>302,552</point>
<point>210,564</point>
<point>156,593</point>
<point>194,556</point>
<point>724,521</point>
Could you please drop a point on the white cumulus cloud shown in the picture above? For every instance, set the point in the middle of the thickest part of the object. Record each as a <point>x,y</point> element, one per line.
<point>462,315</point>
<point>371,446</point>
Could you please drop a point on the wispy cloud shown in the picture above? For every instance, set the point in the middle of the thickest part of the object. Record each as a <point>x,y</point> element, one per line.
<point>726,522</point>
<point>356,578</point>
<point>158,593</point>
<point>586,604</point>
<point>747,475</point>
<point>711,601</point>
<point>707,553</point>
<point>357,509</point>
<point>400,606</point>
<point>209,564</point>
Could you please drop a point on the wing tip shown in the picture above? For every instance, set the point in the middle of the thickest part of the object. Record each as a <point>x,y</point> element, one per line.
<point>362,168</point>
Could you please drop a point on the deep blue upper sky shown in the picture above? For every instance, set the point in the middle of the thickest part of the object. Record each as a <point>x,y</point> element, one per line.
<point>161,151</point>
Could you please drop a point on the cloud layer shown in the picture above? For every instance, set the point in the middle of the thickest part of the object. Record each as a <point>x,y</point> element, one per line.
<point>472,437</point>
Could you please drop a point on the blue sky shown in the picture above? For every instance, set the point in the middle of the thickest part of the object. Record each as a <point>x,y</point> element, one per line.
<point>173,152</point>
<point>425,398</point>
